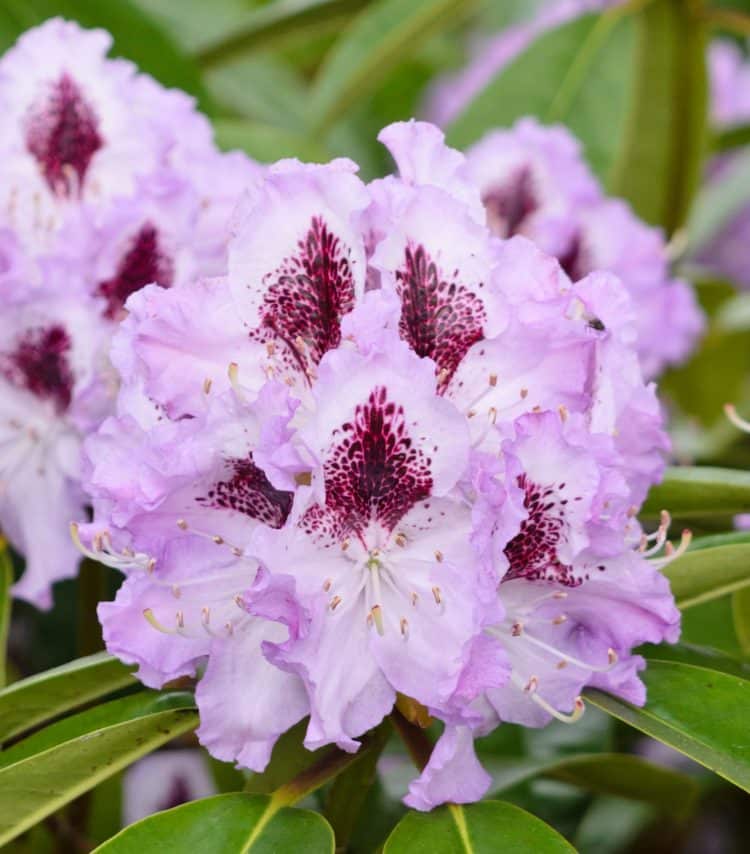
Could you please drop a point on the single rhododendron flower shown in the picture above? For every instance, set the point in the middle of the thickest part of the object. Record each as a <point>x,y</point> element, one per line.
<point>352,467</point>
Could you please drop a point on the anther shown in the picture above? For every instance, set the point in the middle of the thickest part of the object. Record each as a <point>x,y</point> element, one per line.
<point>180,618</point>
<point>182,524</point>
<point>516,630</point>
<point>531,686</point>
<point>218,540</point>
<point>404,627</point>
<point>563,411</point>
<point>559,620</point>
<point>524,393</point>
<point>414,598</point>
<point>436,595</point>
<point>344,545</point>
<point>176,592</point>
<point>493,380</point>
<point>611,656</point>
<point>438,556</point>
<point>207,383</point>
<point>334,603</point>
<point>400,539</point>
<point>327,584</point>
<point>377,616</point>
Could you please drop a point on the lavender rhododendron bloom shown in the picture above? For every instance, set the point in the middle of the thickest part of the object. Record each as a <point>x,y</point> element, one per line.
<point>397,455</point>
<point>108,183</point>
<point>534,182</point>
<point>726,252</point>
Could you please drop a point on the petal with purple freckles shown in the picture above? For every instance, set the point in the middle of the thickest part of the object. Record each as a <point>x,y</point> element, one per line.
<point>245,702</point>
<point>423,158</point>
<point>432,428</point>
<point>296,264</point>
<point>175,342</point>
<point>438,260</point>
<point>453,773</point>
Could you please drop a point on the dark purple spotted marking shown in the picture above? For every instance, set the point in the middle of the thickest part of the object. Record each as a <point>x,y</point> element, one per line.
<point>62,134</point>
<point>574,260</point>
<point>440,318</point>
<point>179,792</point>
<point>373,474</point>
<point>40,364</point>
<point>532,553</point>
<point>308,294</point>
<point>248,491</point>
<point>509,206</point>
<point>143,263</point>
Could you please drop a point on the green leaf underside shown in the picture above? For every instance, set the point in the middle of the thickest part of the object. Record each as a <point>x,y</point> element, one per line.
<point>741,617</point>
<point>481,828</point>
<point>578,74</point>
<point>692,492</point>
<point>619,774</point>
<point>700,712</point>
<point>32,701</point>
<point>230,824</point>
<point>375,42</point>
<point>706,574</point>
<point>280,19</point>
<point>75,758</point>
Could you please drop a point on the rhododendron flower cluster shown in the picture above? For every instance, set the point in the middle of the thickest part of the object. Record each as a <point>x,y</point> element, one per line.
<point>387,454</point>
<point>108,182</point>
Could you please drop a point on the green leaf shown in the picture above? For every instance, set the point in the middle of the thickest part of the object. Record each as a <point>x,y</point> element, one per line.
<point>273,21</point>
<point>30,702</point>
<point>267,143</point>
<point>733,137</point>
<point>489,826</point>
<point>6,582</point>
<point>692,492</point>
<point>741,616</point>
<point>578,74</point>
<point>710,658</point>
<point>706,574</point>
<point>230,824</point>
<point>56,765</point>
<point>349,790</point>
<point>660,161</point>
<point>699,712</point>
<point>618,774</point>
<point>377,40</point>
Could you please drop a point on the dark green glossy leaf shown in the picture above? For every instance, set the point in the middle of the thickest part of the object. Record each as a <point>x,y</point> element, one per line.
<point>482,828</point>
<point>699,712</point>
<point>56,765</point>
<point>376,41</point>
<point>230,824</point>
<point>660,160</point>
<point>578,74</point>
<point>6,582</point>
<point>261,27</point>
<point>707,657</point>
<point>618,774</point>
<point>40,698</point>
<point>706,574</point>
<point>691,492</point>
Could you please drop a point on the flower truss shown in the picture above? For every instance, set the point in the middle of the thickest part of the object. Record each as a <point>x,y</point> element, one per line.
<point>387,455</point>
<point>108,182</point>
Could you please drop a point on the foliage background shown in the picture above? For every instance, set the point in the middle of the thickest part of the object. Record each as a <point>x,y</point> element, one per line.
<point>316,79</point>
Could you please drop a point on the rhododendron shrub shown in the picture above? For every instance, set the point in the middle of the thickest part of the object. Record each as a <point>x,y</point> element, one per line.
<point>399,456</point>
